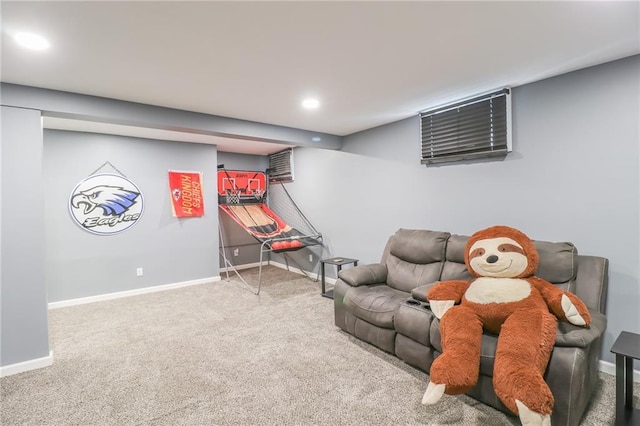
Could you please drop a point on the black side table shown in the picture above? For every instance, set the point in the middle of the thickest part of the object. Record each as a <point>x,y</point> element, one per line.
<point>627,348</point>
<point>338,261</point>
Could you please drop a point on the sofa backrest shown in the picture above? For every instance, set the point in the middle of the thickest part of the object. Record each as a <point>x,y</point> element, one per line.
<point>414,257</point>
<point>418,257</point>
<point>454,267</point>
<point>558,262</point>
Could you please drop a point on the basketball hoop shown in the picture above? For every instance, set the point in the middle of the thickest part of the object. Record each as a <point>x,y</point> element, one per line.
<point>233,196</point>
<point>258,193</point>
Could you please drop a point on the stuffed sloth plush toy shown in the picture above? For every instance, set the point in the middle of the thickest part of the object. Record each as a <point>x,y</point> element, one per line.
<point>506,299</point>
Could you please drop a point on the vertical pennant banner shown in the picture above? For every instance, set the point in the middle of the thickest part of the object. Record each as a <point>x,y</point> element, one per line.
<point>186,193</point>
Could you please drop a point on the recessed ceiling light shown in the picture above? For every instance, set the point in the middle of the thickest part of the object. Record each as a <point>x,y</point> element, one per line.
<point>316,139</point>
<point>310,103</point>
<point>31,41</point>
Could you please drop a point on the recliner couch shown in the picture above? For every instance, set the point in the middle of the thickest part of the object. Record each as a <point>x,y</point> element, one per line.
<point>385,305</point>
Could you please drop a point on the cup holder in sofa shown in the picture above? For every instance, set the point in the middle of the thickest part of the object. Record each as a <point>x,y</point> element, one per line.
<point>417,303</point>
<point>414,302</point>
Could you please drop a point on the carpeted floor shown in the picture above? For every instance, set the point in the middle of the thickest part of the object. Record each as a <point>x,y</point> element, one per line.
<point>216,354</point>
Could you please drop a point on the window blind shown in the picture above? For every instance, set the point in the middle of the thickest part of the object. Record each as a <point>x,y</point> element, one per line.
<point>467,130</point>
<point>281,166</point>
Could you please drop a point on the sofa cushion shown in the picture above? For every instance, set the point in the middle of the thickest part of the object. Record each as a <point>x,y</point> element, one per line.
<point>419,246</point>
<point>455,271</point>
<point>454,267</point>
<point>557,261</point>
<point>414,257</point>
<point>456,247</point>
<point>406,276</point>
<point>581,337</point>
<point>375,304</point>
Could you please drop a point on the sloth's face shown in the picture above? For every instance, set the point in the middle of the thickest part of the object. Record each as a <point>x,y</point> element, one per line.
<point>497,257</point>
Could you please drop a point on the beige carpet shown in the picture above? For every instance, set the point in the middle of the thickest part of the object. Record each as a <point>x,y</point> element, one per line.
<point>215,354</point>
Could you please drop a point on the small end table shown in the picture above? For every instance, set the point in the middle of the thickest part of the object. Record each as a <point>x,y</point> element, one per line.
<point>339,262</point>
<point>627,348</point>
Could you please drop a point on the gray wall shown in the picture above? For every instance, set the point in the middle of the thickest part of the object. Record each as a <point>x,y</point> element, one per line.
<point>233,161</point>
<point>170,250</point>
<point>23,298</point>
<point>574,176</point>
<point>23,290</point>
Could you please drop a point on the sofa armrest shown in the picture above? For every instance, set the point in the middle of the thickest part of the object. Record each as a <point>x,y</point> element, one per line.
<point>375,273</point>
<point>420,292</point>
<point>581,337</point>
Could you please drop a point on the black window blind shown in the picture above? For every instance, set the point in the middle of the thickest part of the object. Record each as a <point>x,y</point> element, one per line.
<point>281,166</point>
<point>471,129</point>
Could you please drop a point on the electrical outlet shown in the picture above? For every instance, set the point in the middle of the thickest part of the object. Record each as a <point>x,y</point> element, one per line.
<point>139,272</point>
<point>310,258</point>
<point>236,251</point>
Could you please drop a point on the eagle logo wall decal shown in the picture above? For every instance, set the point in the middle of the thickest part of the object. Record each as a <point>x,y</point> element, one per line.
<point>113,200</point>
<point>106,204</point>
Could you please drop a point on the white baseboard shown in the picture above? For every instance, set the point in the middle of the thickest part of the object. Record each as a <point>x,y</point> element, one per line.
<point>128,293</point>
<point>244,266</point>
<point>21,367</point>
<point>299,271</point>
<point>331,281</point>
<point>610,368</point>
<point>327,280</point>
<point>284,266</point>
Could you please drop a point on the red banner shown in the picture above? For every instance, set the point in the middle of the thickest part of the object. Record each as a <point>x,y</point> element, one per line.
<point>186,193</point>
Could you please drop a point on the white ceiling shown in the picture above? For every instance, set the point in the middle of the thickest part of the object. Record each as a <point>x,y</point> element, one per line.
<point>369,63</point>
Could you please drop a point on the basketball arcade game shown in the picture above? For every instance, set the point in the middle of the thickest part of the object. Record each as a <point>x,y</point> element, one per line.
<point>243,196</point>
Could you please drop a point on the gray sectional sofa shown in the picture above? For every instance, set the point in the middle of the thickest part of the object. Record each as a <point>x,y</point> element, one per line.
<point>385,305</point>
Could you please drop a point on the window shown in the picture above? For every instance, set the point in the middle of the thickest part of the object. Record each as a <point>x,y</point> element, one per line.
<point>468,130</point>
<point>281,166</point>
